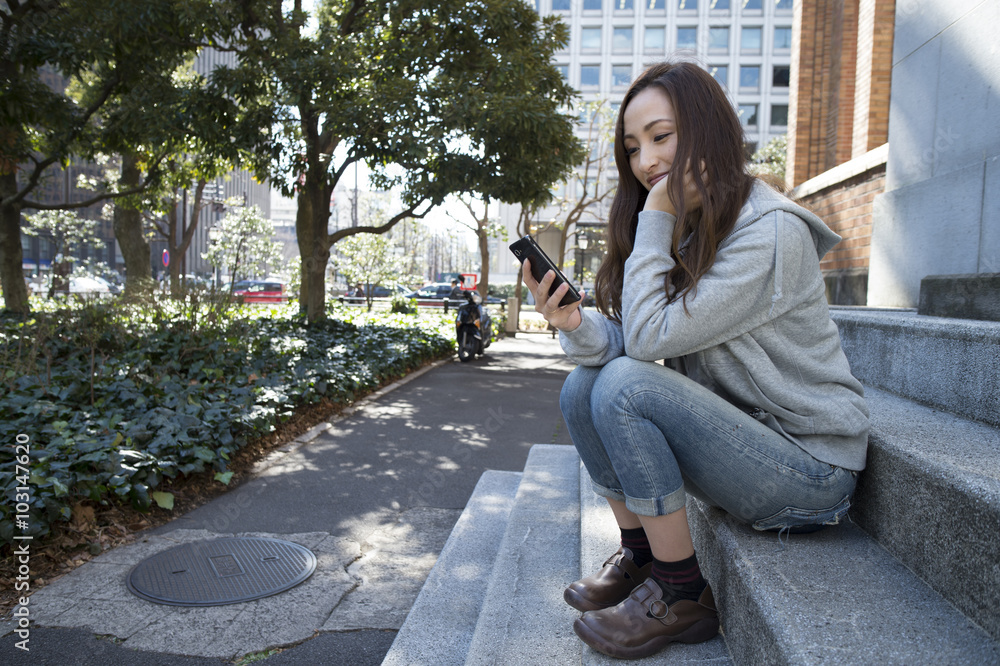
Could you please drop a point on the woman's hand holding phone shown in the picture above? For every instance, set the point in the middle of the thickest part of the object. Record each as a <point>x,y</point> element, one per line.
<point>564,318</point>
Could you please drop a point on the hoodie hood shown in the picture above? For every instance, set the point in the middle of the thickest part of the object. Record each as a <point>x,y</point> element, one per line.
<point>764,200</point>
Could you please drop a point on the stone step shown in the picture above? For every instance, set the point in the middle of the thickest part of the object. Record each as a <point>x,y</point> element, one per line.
<point>834,596</point>
<point>439,626</point>
<point>524,619</point>
<point>948,364</point>
<point>931,497</point>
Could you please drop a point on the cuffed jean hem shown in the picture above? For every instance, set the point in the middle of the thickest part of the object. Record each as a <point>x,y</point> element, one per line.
<point>659,506</point>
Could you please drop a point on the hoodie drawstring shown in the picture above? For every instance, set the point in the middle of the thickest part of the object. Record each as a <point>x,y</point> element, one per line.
<point>777,266</point>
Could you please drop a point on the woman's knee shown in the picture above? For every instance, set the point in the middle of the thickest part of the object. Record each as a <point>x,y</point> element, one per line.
<point>575,395</point>
<point>624,377</point>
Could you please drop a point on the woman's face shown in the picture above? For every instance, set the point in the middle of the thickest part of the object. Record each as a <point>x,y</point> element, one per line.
<point>650,139</point>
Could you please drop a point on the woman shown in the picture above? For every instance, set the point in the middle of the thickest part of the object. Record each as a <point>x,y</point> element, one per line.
<point>754,409</point>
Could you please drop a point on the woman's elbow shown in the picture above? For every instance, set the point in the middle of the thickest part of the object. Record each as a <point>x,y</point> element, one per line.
<point>641,348</point>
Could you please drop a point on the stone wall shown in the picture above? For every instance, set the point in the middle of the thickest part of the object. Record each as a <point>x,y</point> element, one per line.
<point>940,213</point>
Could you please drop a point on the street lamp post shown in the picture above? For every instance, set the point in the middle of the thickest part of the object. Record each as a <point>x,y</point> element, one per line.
<point>582,242</point>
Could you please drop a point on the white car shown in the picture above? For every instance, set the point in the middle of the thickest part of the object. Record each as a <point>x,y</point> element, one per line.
<point>88,285</point>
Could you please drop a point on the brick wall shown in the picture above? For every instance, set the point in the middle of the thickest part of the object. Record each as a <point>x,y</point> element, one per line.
<point>839,92</point>
<point>874,73</point>
<point>839,112</point>
<point>821,105</point>
<point>846,207</point>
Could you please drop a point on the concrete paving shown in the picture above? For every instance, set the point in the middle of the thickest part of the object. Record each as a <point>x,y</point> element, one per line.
<point>374,495</point>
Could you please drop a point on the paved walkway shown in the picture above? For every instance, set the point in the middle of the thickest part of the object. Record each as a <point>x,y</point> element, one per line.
<point>374,495</point>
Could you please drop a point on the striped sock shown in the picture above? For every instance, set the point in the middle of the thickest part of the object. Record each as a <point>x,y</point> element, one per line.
<point>636,541</point>
<point>679,580</point>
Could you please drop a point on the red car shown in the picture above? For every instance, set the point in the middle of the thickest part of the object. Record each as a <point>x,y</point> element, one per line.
<point>260,291</point>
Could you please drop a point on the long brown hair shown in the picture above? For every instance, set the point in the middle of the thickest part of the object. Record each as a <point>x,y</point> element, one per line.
<point>707,129</point>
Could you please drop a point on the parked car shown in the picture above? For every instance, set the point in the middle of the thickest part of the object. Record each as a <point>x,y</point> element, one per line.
<point>260,291</point>
<point>436,293</point>
<point>88,285</point>
<point>376,291</point>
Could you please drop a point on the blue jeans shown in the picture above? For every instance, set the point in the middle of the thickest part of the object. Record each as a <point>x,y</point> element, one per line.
<point>647,434</point>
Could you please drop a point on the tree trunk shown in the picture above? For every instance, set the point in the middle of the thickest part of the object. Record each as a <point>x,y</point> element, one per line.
<point>128,233</point>
<point>175,266</point>
<point>189,225</point>
<point>314,249</point>
<point>15,291</point>
<point>484,261</point>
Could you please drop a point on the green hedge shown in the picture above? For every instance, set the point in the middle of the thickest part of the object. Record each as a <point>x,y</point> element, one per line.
<point>111,399</point>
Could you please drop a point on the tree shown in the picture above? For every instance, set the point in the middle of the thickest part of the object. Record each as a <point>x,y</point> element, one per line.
<point>122,98</point>
<point>587,189</point>
<point>66,231</point>
<point>368,259</point>
<point>245,243</point>
<point>178,233</point>
<point>769,161</point>
<point>529,211</point>
<point>436,97</point>
<point>485,229</point>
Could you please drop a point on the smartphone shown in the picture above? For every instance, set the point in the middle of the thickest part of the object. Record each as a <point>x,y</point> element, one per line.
<point>527,248</point>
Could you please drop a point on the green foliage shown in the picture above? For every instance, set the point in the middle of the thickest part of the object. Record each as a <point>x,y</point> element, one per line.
<point>64,229</point>
<point>769,160</point>
<point>115,397</point>
<point>245,243</point>
<point>403,305</point>
<point>368,259</point>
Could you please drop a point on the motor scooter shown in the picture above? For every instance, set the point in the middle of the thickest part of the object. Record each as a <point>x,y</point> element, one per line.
<point>473,328</point>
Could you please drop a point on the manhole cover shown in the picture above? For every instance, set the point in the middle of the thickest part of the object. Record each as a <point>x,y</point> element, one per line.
<point>221,571</point>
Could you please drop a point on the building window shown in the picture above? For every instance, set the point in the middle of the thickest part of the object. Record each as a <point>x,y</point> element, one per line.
<point>592,5</point>
<point>781,77</point>
<point>687,5</point>
<point>654,39</point>
<point>782,39</point>
<point>655,5</point>
<point>718,40</point>
<point>590,39</point>
<point>748,115</point>
<point>590,76</point>
<point>721,74</point>
<point>563,71</point>
<point>560,5</point>
<point>718,5</point>
<point>783,5</point>
<point>623,5</point>
<point>687,38</point>
<point>750,40</point>
<point>751,5</point>
<point>621,75</point>
<point>621,39</point>
<point>779,115</point>
<point>749,78</point>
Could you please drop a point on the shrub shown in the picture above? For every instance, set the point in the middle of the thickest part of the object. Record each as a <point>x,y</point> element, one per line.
<point>113,398</point>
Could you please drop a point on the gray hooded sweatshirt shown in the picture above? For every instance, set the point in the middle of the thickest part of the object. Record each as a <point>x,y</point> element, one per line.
<point>757,331</point>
